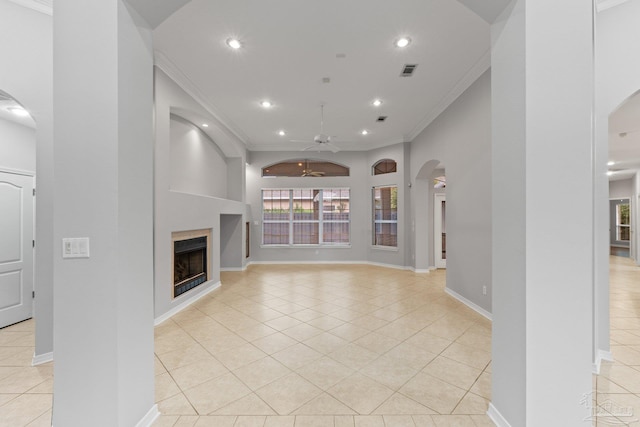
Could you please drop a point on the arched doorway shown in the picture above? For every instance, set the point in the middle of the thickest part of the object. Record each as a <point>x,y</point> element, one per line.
<point>425,191</point>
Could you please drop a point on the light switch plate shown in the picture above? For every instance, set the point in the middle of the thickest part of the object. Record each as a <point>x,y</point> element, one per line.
<point>75,247</point>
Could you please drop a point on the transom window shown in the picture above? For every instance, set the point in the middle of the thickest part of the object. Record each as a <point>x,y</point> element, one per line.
<point>306,217</point>
<point>305,168</point>
<point>385,216</point>
<point>385,166</point>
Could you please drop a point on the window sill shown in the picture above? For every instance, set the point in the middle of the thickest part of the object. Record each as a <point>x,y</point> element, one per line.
<point>385,248</point>
<point>305,246</point>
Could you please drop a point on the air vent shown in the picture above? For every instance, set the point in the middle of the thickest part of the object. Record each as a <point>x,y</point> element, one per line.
<point>326,80</point>
<point>381,118</point>
<point>408,69</point>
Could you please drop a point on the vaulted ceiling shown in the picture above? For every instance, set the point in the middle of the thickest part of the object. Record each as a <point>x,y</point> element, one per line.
<point>300,55</point>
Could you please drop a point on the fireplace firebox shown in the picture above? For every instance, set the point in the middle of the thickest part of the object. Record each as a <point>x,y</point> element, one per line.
<point>189,264</point>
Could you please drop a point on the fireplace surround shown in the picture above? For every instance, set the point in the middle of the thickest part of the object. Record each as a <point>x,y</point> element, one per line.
<point>191,259</point>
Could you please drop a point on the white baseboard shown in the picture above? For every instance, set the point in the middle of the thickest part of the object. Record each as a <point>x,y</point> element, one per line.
<point>184,304</point>
<point>149,418</point>
<point>422,270</point>
<point>600,356</point>
<point>497,417</point>
<point>39,359</point>
<point>379,264</point>
<point>469,303</point>
<point>233,269</point>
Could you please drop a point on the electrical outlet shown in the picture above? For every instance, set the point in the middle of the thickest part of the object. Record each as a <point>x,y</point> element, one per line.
<point>484,290</point>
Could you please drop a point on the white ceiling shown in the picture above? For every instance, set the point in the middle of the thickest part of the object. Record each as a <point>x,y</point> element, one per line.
<point>291,45</point>
<point>624,139</point>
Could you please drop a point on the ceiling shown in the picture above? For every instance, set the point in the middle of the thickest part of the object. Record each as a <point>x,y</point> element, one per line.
<point>290,46</point>
<point>624,139</point>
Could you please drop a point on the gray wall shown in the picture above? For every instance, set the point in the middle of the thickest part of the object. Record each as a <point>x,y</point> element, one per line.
<point>231,243</point>
<point>621,189</point>
<point>198,166</point>
<point>181,211</point>
<point>26,74</point>
<point>359,182</point>
<point>17,147</point>
<point>460,138</point>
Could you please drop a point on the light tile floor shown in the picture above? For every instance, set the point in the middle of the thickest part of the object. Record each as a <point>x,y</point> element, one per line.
<point>618,385</point>
<point>337,346</point>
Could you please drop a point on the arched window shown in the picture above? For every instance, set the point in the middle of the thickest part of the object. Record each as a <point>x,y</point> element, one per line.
<point>384,166</point>
<point>305,168</point>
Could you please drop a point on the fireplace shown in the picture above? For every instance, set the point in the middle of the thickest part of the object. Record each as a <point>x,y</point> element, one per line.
<point>190,260</point>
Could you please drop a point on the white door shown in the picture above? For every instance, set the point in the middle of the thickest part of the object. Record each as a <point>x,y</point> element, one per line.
<point>440,231</point>
<point>16,248</point>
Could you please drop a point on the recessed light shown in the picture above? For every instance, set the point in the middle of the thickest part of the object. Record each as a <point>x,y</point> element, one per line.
<point>299,164</point>
<point>403,42</point>
<point>364,132</point>
<point>266,104</point>
<point>204,125</point>
<point>282,133</point>
<point>18,111</point>
<point>234,43</point>
<point>609,173</point>
<point>377,102</point>
<point>611,163</point>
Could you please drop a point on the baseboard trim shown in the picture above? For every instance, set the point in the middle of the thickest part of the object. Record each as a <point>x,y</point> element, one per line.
<point>233,269</point>
<point>497,417</point>
<point>186,303</point>
<point>149,418</point>
<point>600,356</point>
<point>40,359</point>
<point>378,264</point>
<point>472,305</point>
<point>422,270</point>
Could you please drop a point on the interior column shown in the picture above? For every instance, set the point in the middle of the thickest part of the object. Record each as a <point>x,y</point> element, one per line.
<point>542,186</point>
<point>103,293</point>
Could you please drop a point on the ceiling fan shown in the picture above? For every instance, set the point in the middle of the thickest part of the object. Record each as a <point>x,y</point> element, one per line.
<point>307,171</point>
<point>321,140</point>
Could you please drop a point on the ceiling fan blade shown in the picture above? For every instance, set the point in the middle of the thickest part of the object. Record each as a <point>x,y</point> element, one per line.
<point>307,141</point>
<point>311,147</point>
<point>332,147</point>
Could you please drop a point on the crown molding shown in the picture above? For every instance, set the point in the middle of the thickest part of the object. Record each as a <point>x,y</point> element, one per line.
<point>42,6</point>
<point>163,62</point>
<point>607,4</point>
<point>463,84</point>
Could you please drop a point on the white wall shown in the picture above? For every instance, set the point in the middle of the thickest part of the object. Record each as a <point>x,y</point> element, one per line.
<point>17,147</point>
<point>542,103</point>
<point>181,211</point>
<point>27,57</point>
<point>460,138</point>
<point>198,166</point>
<point>103,318</point>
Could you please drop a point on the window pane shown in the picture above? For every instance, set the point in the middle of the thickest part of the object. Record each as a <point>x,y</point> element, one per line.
<point>305,233</point>
<point>306,204</point>
<point>275,205</point>
<point>335,232</point>
<point>335,205</point>
<point>385,216</point>
<point>275,233</point>
<point>386,234</point>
